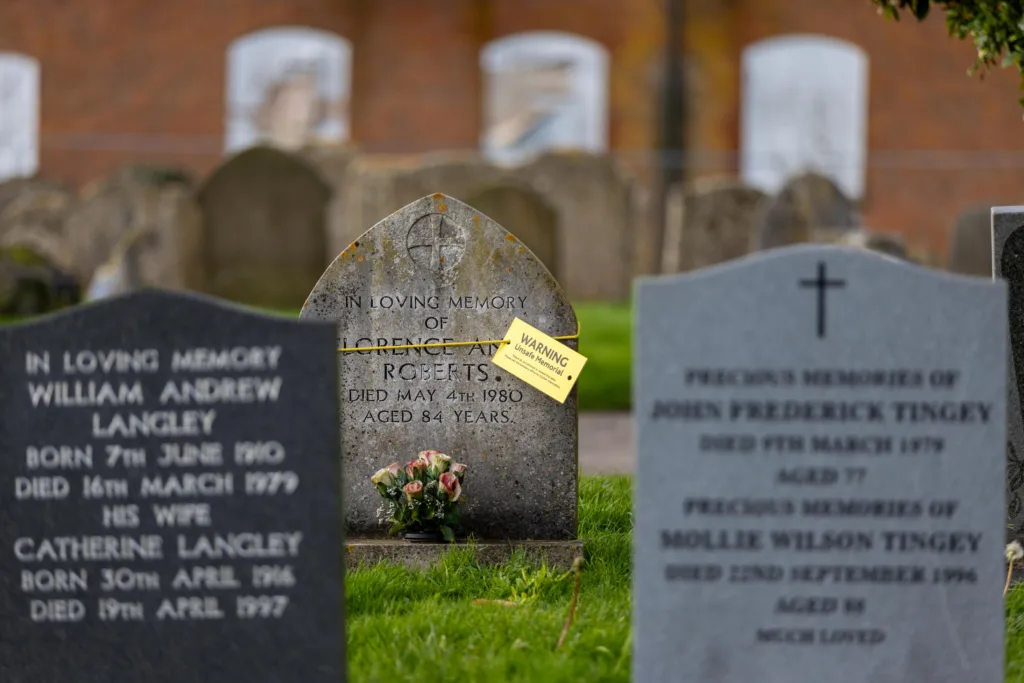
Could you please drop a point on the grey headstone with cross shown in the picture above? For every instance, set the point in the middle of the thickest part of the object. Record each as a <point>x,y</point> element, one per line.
<point>820,472</point>
<point>821,283</point>
<point>437,272</point>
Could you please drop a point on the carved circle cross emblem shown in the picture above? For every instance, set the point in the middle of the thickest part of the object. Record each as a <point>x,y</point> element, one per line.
<point>435,242</point>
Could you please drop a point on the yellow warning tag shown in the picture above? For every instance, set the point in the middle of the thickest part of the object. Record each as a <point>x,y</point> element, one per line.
<point>543,362</point>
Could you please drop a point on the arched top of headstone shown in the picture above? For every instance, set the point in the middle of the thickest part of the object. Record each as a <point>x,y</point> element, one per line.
<point>36,217</point>
<point>331,160</point>
<point>568,176</point>
<point>14,188</point>
<point>440,247</point>
<point>137,175</point>
<point>449,171</point>
<point>261,164</point>
<point>36,202</point>
<point>882,243</point>
<point>46,246</point>
<point>869,261</point>
<point>526,212</point>
<point>808,204</point>
<point>154,175</point>
<point>153,303</point>
<point>511,185</point>
<point>577,163</point>
<point>723,187</point>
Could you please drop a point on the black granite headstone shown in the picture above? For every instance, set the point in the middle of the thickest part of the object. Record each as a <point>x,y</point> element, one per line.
<point>1008,264</point>
<point>169,496</point>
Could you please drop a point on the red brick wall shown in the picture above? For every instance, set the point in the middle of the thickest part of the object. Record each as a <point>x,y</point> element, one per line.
<point>128,81</point>
<point>416,83</point>
<point>920,98</point>
<point>119,74</point>
<point>139,69</point>
<point>713,77</point>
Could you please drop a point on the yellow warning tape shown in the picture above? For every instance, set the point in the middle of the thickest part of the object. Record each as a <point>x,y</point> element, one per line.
<point>444,344</point>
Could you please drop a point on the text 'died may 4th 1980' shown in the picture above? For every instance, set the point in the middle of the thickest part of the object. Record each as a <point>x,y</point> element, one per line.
<point>183,567</point>
<point>820,436</point>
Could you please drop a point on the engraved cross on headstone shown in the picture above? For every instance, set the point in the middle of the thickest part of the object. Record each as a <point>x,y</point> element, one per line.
<point>822,283</point>
<point>435,242</point>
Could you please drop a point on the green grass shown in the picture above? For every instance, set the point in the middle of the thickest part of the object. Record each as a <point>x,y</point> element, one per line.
<point>1015,635</point>
<point>605,341</point>
<point>408,625</point>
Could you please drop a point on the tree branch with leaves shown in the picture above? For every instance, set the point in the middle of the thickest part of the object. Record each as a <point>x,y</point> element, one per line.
<point>995,26</point>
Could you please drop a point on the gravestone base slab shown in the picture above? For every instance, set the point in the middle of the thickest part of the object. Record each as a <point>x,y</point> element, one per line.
<point>558,555</point>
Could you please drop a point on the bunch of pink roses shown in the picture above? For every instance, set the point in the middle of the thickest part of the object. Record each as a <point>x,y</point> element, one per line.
<point>423,496</point>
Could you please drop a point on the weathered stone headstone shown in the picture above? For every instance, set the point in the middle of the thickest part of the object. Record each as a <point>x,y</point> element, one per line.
<point>438,271</point>
<point>17,188</point>
<point>33,215</point>
<point>157,201</point>
<point>809,208</point>
<point>122,272</point>
<point>334,164</point>
<point>594,200</point>
<point>717,223</point>
<point>1008,265</point>
<point>820,469</point>
<point>672,233</point>
<point>527,214</point>
<point>264,217</point>
<point>883,243</point>
<point>970,243</point>
<point>170,507</point>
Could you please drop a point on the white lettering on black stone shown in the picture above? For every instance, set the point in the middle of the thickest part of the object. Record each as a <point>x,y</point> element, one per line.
<point>152,454</point>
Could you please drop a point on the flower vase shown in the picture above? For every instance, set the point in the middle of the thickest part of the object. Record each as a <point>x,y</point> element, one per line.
<point>423,537</point>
